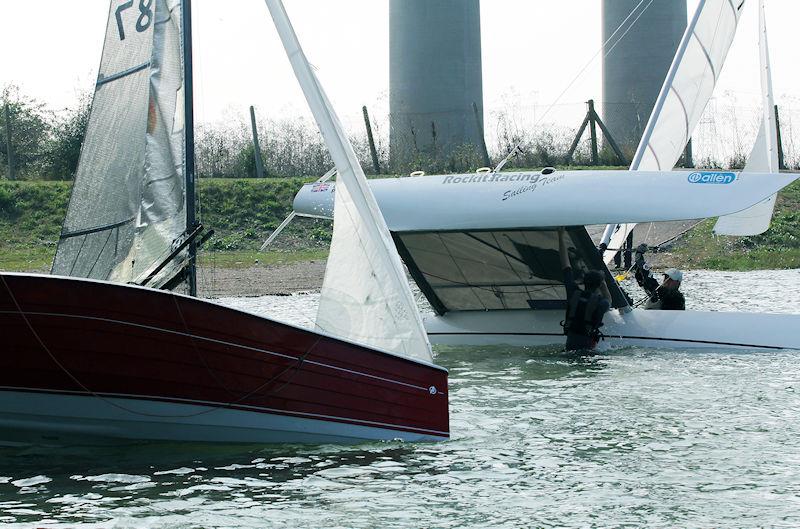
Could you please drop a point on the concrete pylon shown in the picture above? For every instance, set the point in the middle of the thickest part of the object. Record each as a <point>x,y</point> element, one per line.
<point>435,77</point>
<point>634,70</point>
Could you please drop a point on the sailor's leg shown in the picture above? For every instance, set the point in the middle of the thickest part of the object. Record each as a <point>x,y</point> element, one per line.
<point>628,250</point>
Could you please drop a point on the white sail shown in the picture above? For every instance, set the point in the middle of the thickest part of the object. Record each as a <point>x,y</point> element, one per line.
<point>686,91</point>
<point>161,219</point>
<point>128,200</point>
<point>99,226</point>
<point>764,156</point>
<point>365,295</point>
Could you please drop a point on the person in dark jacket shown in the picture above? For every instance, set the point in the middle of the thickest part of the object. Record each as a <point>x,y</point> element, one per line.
<point>667,295</point>
<point>585,306</point>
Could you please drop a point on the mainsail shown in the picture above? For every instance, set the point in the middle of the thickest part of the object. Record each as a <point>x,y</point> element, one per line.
<point>162,217</point>
<point>128,201</point>
<point>764,156</point>
<point>686,91</point>
<point>365,295</point>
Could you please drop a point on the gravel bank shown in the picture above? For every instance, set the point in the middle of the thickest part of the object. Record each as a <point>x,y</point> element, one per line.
<point>304,276</point>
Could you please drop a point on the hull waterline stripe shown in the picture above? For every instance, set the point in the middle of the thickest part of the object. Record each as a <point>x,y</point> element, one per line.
<point>238,407</point>
<point>230,344</point>
<point>611,337</point>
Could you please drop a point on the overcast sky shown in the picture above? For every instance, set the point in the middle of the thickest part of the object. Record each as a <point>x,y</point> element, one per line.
<point>531,50</point>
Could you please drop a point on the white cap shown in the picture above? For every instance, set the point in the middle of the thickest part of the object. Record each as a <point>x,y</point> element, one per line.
<point>674,274</point>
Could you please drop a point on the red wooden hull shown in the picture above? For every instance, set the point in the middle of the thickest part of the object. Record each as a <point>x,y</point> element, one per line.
<point>103,341</point>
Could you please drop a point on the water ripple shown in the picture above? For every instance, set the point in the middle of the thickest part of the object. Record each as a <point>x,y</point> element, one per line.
<point>631,438</point>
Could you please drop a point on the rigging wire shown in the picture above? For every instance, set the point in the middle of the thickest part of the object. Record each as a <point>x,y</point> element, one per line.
<point>657,247</point>
<point>517,147</point>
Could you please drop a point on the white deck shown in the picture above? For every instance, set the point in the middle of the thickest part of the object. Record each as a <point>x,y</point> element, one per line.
<point>530,200</point>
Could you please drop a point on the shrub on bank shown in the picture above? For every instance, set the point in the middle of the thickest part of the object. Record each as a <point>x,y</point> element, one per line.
<point>244,212</point>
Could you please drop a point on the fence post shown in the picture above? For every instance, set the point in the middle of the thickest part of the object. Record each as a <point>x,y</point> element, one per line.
<point>593,120</point>
<point>256,146</point>
<point>9,153</point>
<point>609,138</point>
<point>571,151</point>
<point>781,163</point>
<point>372,150</point>
<point>593,132</point>
<point>479,126</point>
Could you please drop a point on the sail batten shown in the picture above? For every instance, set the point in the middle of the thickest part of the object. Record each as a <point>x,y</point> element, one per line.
<point>113,77</point>
<point>96,229</point>
<point>106,186</point>
<point>707,56</point>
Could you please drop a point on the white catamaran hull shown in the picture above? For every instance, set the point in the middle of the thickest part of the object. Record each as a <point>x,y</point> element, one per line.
<point>646,328</point>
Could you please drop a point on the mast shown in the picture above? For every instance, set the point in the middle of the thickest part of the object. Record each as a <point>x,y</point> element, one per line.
<point>188,102</point>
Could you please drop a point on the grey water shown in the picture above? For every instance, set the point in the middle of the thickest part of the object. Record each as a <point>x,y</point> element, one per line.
<point>632,438</point>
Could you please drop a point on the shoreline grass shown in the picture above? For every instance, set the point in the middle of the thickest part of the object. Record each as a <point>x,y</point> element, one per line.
<point>243,212</point>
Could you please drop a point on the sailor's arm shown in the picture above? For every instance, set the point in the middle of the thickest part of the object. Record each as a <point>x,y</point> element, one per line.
<point>569,281</point>
<point>562,249</point>
<point>605,292</point>
<point>643,274</point>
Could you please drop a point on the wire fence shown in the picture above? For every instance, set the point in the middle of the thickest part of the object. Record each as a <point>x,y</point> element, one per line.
<point>292,146</point>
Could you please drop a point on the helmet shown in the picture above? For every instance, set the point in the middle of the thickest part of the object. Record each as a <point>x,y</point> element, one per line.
<point>674,274</point>
<point>592,279</point>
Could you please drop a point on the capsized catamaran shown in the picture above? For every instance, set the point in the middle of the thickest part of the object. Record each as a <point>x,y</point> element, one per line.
<point>106,349</point>
<point>483,248</point>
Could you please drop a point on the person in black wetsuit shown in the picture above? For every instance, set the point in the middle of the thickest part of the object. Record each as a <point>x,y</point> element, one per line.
<point>585,306</point>
<point>665,296</point>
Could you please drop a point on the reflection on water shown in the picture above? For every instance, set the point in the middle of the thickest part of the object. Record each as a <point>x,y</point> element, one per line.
<point>540,438</point>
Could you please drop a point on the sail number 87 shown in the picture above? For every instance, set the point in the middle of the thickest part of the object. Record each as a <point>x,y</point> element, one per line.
<point>144,20</point>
